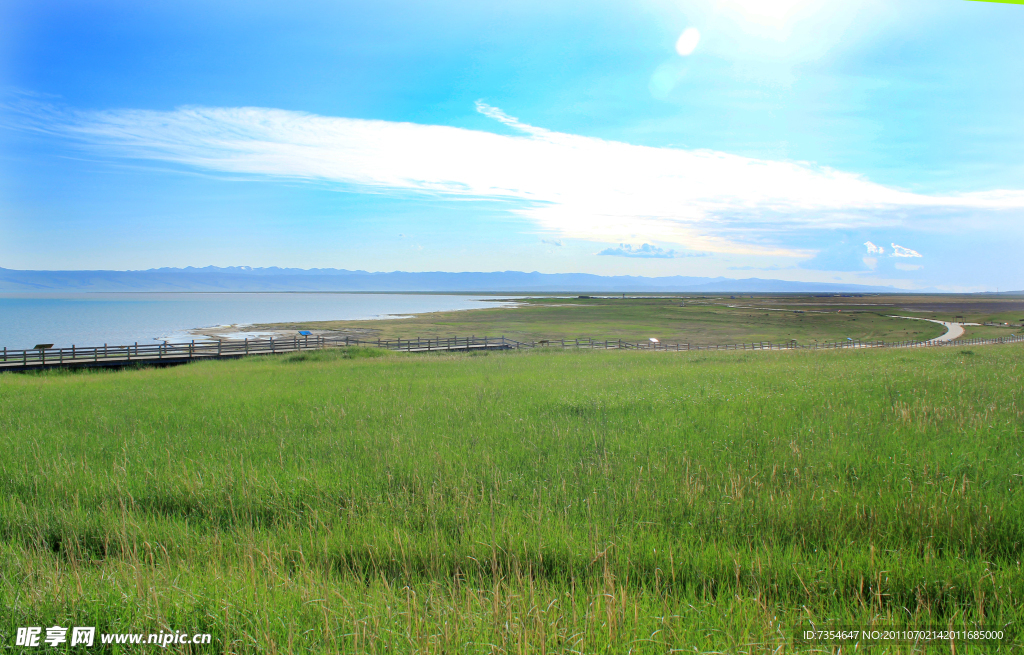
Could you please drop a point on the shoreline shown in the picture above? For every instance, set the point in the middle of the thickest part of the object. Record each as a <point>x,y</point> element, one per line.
<point>238,331</point>
<point>94,318</point>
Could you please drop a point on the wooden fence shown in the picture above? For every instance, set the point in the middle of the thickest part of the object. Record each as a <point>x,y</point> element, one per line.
<point>179,353</point>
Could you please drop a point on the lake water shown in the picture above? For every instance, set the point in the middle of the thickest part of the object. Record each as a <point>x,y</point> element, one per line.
<point>92,319</point>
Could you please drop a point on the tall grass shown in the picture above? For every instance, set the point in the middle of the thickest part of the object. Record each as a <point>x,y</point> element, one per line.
<point>592,502</point>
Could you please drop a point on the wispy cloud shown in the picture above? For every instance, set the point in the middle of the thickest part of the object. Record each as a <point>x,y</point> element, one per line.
<point>511,121</point>
<point>873,249</point>
<point>900,251</point>
<point>567,185</point>
<point>552,242</point>
<point>773,267</point>
<point>647,250</point>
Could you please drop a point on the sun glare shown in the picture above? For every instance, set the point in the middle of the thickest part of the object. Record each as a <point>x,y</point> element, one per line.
<point>688,41</point>
<point>772,10</point>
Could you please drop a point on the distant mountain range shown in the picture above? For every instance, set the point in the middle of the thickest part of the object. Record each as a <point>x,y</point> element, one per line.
<point>244,278</point>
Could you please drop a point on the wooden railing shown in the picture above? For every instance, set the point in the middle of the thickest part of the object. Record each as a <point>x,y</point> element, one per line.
<point>161,352</point>
<point>174,353</point>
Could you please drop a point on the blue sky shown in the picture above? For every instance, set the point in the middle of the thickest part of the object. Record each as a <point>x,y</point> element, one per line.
<point>865,141</point>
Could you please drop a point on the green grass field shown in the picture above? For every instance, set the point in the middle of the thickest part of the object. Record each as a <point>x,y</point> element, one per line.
<point>523,502</point>
<point>696,321</point>
<point>990,332</point>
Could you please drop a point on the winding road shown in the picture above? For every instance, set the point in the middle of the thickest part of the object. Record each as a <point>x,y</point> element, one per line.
<point>953,330</point>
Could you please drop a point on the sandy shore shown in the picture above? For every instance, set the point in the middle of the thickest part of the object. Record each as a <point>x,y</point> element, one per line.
<point>240,332</point>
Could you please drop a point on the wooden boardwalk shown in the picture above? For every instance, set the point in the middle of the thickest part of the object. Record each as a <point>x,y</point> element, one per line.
<point>167,354</point>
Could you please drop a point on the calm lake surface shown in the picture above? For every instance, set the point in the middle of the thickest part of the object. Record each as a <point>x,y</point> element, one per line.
<point>92,319</point>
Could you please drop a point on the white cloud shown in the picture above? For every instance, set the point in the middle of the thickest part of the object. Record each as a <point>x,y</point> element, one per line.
<point>648,251</point>
<point>569,186</point>
<point>511,121</point>
<point>552,242</point>
<point>900,251</point>
<point>873,249</point>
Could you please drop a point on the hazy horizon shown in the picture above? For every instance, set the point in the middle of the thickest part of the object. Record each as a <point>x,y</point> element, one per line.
<point>248,279</point>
